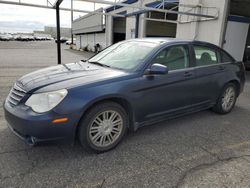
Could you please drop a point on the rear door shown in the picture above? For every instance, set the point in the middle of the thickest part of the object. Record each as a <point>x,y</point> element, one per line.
<point>209,71</point>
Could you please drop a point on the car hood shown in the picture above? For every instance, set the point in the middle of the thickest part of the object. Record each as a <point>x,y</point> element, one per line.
<point>86,72</point>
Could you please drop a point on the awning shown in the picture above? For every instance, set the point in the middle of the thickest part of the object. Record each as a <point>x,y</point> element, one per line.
<point>155,4</point>
<point>159,4</point>
<point>109,9</point>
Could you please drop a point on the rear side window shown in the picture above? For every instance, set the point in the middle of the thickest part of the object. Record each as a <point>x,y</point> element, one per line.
<point>225,58</point>
<point>205,56</point>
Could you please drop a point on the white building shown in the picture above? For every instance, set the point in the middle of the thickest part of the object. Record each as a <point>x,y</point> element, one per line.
<point>226,24</point>
<point>106,30</point>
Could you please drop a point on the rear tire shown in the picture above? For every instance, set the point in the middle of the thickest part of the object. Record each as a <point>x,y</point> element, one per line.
<point>227,99</point>
<point>103,127</point>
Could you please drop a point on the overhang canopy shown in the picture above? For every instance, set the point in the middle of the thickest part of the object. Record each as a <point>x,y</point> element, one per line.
<point>155,4</point>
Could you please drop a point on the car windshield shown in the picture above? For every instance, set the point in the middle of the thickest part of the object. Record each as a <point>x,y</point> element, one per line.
<point>124,55</point>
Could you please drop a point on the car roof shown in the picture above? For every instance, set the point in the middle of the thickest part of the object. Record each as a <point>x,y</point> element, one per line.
<point>165,40</point>
<point>159,40</point>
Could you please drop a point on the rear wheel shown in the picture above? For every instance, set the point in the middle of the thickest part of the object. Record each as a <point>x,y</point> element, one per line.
<point>103,127</point>
<point>227,99</point>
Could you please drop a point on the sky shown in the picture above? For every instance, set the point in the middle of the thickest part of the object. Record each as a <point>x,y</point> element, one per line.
<point>25,19</point>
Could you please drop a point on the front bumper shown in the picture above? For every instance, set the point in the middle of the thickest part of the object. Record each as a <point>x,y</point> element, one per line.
<point>26,124</point>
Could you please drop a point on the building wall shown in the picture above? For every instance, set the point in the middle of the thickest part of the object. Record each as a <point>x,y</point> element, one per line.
<point>90,40</point>
<point>109,31</point>
<point>65,32</point>
<point>39,34</point>
<point>89,23</point>
<point>142,26</point>
<point>236,38</point>
<point>78,42</point>
<point>210,31</point>
<point>128,26</point>
<point>130,23</point>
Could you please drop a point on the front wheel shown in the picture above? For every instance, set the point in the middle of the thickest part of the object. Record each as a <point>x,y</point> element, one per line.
<point>227,99</point>
<point>103,127</point>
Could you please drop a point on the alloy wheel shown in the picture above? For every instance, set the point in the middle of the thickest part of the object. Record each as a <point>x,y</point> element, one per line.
<point>228,98</point>
<point>106,128</point>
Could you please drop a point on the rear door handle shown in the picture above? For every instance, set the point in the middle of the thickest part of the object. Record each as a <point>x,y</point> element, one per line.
<point>221,67</point>
<point>188,74</point>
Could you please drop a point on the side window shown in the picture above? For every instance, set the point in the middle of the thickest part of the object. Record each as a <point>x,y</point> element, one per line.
<point>225,58</point>
<point>205,56</point>
<point>174,58</point>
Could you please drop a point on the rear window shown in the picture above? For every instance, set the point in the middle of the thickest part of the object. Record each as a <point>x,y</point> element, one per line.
<point>225,58</point>
<point>205,56</point>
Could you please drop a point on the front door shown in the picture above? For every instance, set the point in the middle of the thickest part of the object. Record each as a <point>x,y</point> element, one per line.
<point>168,94</point>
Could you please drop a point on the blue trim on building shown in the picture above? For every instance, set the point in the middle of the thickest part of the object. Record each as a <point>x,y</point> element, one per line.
<point>235,18</point>
<point>123,13</point>
<point>118,6</point>
<point>156,4</point>
<point>136,13</point>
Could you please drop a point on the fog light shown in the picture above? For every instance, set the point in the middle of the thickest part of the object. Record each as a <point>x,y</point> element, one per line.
<point>30,140</point>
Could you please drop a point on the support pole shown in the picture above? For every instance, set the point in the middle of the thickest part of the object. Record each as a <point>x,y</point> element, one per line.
<point>58,35</point>
<point>72,14</point>
<point>137,18</point>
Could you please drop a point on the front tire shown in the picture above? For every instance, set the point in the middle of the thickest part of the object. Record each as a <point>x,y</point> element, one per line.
<point>103,127</point>
<point>227,99</point>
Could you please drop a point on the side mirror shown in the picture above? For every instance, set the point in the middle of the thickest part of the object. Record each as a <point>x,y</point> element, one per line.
<point>157,69</point>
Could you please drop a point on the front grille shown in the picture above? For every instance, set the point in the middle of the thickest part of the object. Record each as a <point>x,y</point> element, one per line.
<point>16,95</point>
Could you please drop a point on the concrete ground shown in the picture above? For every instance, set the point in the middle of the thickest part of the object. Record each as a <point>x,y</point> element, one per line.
<point>199,150</point>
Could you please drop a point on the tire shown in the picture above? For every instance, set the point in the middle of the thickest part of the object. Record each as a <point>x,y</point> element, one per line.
<point>103,127</point>
<point>225,105</point>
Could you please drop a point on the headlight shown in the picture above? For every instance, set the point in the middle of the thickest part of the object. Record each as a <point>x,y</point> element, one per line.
<point>43,102</point>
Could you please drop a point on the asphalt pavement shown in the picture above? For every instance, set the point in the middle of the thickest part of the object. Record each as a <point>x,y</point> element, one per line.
<point>199,150</point>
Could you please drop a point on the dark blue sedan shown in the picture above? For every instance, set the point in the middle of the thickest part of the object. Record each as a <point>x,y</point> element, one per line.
<point>126,86</point>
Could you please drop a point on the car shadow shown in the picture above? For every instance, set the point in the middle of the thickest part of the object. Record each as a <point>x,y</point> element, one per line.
<point>178,130</point>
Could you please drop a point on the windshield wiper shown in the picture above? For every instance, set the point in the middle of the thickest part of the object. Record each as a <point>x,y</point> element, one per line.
<point>66,67</point>
<point>98,63</point>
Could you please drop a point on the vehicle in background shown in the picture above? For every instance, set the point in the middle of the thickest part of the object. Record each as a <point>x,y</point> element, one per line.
<point>15,36</point>
<point>24,38</point>
<point>49,38</point>
<point>30,38</point>
<point>62,40</point>
<point>69,42</point>
<point>128,85</point>
<point>247,58</point>
<point>6,37</point>
<point>38,38</point>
